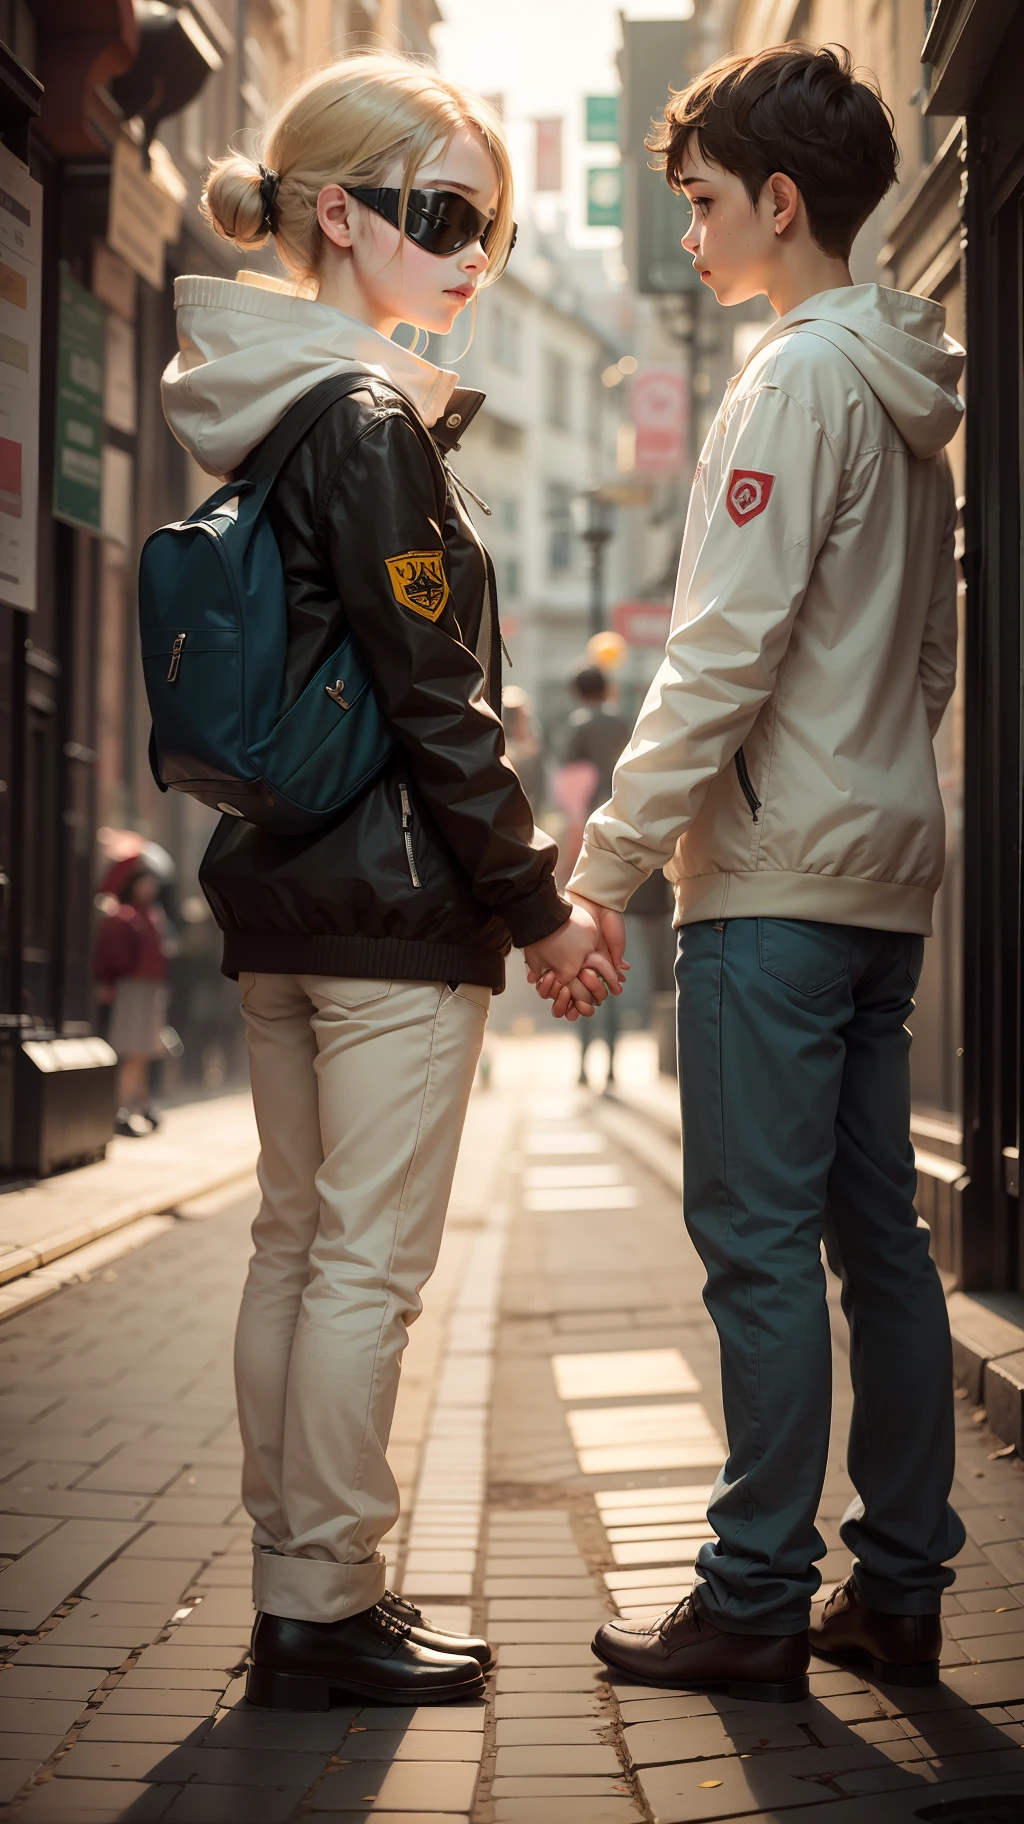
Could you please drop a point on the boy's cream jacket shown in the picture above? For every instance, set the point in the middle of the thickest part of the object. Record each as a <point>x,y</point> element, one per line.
<point>814,629</point>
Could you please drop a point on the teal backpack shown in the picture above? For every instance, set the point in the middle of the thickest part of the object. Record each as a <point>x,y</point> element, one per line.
<point>214,626</point>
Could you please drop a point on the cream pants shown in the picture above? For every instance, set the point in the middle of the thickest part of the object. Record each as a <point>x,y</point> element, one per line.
<point>360,1089</point>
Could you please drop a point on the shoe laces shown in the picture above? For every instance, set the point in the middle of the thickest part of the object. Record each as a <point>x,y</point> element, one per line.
<point>388,1623</point>
<point>668,1621</point>
<point>402,1602</point>
<point>841,1589</point>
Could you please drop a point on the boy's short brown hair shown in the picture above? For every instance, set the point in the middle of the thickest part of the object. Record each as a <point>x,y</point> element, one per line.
<point>796,109</point>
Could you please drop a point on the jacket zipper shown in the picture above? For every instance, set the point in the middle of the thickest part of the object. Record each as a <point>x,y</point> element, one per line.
<point>746,784</point>
<point>172,670</point>
<point>403,792</point>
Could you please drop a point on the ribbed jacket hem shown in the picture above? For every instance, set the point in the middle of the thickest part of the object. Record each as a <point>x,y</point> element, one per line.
<point>831,899</point>
<point>389,958</point>
<point>536,916</point>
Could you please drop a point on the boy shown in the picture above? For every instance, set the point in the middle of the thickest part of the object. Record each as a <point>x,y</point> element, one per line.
<point>782,769</point>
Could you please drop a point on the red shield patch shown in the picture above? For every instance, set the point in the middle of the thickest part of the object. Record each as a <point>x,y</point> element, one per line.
<point>748,494</point>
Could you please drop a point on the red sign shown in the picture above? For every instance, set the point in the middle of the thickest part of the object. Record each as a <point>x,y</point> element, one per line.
<point>659,452</point>
<point>657,399</point>
<point>643,623</point>
<point>659,407</point>
<point>548,155</point>
<point>748,494</point>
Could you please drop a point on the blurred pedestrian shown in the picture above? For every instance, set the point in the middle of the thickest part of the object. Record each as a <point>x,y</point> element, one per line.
<point>524,743</point>
<point>130,966</point>
<point>598,732</point>
<point>367,953</point>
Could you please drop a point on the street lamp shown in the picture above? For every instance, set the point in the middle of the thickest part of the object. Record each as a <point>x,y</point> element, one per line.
<point>592,516</point>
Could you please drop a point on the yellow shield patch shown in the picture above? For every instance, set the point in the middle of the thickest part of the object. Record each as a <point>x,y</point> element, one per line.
<point>419,582</point>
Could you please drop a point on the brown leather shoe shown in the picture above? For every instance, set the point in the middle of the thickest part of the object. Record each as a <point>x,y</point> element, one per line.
<point>685,1650</point>
<point>900,1649</point>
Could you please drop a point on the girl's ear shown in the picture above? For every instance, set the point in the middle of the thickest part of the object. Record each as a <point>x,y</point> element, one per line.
<point>332,212</point>
<point>785,200</point>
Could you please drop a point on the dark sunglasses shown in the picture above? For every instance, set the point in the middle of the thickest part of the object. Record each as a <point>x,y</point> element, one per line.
<point>439,221</point>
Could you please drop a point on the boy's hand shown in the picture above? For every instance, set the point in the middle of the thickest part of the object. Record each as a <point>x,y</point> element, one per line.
<point>612,927</point>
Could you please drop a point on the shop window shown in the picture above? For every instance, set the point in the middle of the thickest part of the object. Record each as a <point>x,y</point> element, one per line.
<point>560,529</point>
<point>558,387</point>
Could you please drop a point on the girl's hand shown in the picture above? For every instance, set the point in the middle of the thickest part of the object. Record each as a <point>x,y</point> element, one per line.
<point>575,945</point>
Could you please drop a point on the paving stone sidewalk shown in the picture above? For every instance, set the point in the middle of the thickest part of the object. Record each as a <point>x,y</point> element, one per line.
<point>557,1432</point>
<point>198,1148</point>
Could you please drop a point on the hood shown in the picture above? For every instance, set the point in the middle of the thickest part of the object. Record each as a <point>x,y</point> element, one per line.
<point>249,348</point>
<point>897,342</point>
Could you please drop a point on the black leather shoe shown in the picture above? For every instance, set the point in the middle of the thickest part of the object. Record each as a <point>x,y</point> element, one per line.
<point>428,1634</point>
<point>900,1649</point>
<point>304,1665</point>
<point>686,1651</point>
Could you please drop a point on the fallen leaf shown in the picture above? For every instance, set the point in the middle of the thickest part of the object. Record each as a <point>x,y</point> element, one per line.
<point>1008,1450</point>
<point>709,1782</point>
<point>1006,1609</point>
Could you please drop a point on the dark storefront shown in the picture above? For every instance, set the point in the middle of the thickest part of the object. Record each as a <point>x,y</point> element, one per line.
<point>73,721</point>
<point>976,52</point>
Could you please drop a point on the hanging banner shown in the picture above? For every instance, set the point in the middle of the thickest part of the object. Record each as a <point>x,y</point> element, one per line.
<point>604,196</point>
<point>659,408</point>
<point>21,217</point>
<point>78,455</point>
<point>549,155</point>
<point>603,119</point>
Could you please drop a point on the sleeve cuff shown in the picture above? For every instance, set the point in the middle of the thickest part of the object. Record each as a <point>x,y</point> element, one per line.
<point>606,878</point>
<point>537,916</point>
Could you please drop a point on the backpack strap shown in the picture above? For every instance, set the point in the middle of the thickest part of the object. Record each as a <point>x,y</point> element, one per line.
<point>265,463</point>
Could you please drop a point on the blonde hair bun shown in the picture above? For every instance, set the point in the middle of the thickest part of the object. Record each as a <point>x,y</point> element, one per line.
<point>351,123</point>
<point>232,201</point>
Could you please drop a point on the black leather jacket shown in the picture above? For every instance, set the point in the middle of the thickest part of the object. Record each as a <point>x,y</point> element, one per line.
<point>439,869</point>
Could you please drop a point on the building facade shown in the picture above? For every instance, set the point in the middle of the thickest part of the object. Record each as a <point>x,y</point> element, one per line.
<point>109,120</point>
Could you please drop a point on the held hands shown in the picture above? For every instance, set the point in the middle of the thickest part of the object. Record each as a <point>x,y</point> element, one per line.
<point>581,963</point>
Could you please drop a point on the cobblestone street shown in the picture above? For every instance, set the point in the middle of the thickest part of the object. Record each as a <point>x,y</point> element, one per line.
<point>557,1434</point>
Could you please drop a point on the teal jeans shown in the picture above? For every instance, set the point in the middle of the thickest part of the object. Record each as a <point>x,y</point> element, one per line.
<point>795,1085</point>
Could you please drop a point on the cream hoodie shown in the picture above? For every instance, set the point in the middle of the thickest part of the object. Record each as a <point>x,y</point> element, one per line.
<point>249,348</point>
<point>782,762</point>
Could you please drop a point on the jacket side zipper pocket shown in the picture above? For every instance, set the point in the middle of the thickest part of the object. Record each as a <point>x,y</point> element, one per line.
<point>403,792</point>
<point>746,784</point>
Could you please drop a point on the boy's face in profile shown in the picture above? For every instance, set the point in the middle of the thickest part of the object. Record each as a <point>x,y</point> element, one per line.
<point>734,246</point>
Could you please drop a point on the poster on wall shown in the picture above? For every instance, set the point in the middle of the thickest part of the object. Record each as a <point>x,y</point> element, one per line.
<point>78,455</point>
<point>21,213</point>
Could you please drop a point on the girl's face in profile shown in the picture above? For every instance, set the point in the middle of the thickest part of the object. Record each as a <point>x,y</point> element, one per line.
<point>394,280</point>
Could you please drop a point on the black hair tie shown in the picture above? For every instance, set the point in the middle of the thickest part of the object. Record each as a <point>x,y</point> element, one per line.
<point>270,184</point>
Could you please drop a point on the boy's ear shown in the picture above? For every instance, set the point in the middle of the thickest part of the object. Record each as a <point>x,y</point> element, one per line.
<point>785,200</point>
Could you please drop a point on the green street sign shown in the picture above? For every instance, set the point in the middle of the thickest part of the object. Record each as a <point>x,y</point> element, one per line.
<point>78,458</point>
<point>604,196</point>
<point>602,119</point>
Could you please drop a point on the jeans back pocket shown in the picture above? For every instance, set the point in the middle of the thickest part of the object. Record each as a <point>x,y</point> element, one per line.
<point>803,953</point>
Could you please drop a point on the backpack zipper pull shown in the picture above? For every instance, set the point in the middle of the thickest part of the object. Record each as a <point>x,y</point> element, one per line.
<point>172,670</point>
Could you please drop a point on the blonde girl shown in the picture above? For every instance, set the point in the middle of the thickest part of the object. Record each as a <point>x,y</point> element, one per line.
<point>367,955</point>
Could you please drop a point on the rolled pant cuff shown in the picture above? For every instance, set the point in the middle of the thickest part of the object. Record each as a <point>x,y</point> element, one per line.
<point>315,1589</point>
<point>876,1594</point>
<point>757,1624</point>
